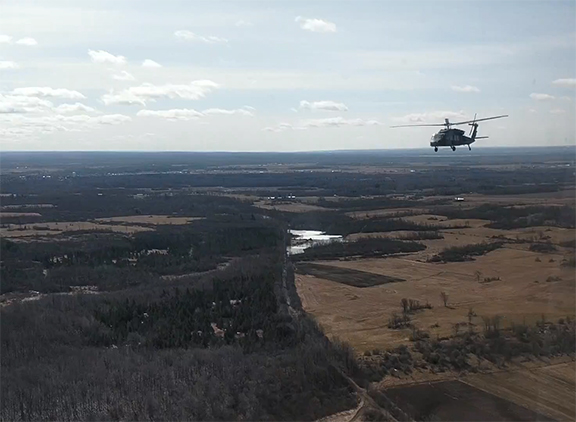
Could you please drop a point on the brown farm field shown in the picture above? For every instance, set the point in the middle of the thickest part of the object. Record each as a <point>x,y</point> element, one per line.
<point>289,206</point>
<point>18,214</point>
<point>530,286</point>
<point>53,229</point>
<point>458,401</point>
<point>149,219</point>
<point>521,294</point>
<point>547,390</point>
<point>129,224</point>
<point>387,212</point>
<point>526,287</point>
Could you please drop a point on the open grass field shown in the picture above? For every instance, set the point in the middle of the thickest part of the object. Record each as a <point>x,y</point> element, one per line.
<point>26,206</point>
<point>149,219</point>
<point>521,294</point>
<point>387,212</point>
<point>526,287</point>
<point>52,229</point>
<point>289,207</point>
<point>125,224</point>
<point>19,214</point>
<point>563,197</point>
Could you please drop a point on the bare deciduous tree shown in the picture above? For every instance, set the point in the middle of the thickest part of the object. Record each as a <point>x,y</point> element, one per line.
<point>404,305</point>
<point>444,297</point>
<point>471,314</point>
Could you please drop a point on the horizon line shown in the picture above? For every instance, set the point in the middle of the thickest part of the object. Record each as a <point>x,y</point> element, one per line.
<point>272,152</point>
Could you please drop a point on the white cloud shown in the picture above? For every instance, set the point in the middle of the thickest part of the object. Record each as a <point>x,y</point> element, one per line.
<point>73,108</point>
<point>242,23</point>
<point>279,128</point>
<point>569,83</point>
<point>431,117</point>
<point>108,119</point>
<point>323,105</point>
<point>532,111</point>
<point>124,76</point>
<point>557,111</point>
<point>241,111</point>
<point>20,126</point>
<point>122,98</point>
<point>149,92</point>
<point>27,41</point>
<point>465,88</point>
<point>7,64</point>
<point>541,97</point>
<point>190,36</point>
<point>48,92</point>
<point>321,123</point>
<point>112,119</point>
<point>150,63</point>
<point>5,39</point>
<point>338,122</point>
<point>565,98</point>
<point>23,104</point>
<point>101,56</point>
<point>173,115</point>
<point>189,114</point>
<point>249,108</point>
<point>315,25</point>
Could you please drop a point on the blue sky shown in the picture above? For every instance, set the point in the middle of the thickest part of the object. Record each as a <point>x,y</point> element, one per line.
<point>282,75</point>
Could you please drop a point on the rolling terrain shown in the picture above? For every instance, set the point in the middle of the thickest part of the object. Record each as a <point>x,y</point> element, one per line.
<point>429,308</point>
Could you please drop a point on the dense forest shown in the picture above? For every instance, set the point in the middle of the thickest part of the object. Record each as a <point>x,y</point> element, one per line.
<point>113,261</point>
<point>223,345</point>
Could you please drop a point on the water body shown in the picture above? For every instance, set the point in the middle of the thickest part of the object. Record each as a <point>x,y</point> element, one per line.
<point>303,239</point>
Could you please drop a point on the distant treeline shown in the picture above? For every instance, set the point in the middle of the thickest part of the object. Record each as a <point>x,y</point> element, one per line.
<point>465,253</point>
<point>366,204</point>
<point>335,222</point>
<point>452,181</point>
<point>94,162</point>
<point>364,247</point>
<point>505,217</point>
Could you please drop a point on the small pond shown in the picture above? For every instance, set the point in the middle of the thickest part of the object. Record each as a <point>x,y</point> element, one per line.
<point>303,239</point>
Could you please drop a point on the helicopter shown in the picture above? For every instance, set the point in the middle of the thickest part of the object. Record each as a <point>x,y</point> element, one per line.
<point>452,138</point>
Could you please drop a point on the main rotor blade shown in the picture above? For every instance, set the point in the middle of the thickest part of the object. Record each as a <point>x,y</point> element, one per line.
<point>479,120</point>
<point>428,124</point>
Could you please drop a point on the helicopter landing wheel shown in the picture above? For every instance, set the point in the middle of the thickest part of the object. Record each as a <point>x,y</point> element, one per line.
<point>435,149</point>
<point>453,148</point>
<point>469,148</point>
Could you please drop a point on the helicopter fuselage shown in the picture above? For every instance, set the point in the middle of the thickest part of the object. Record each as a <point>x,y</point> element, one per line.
<point>450,138</point>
